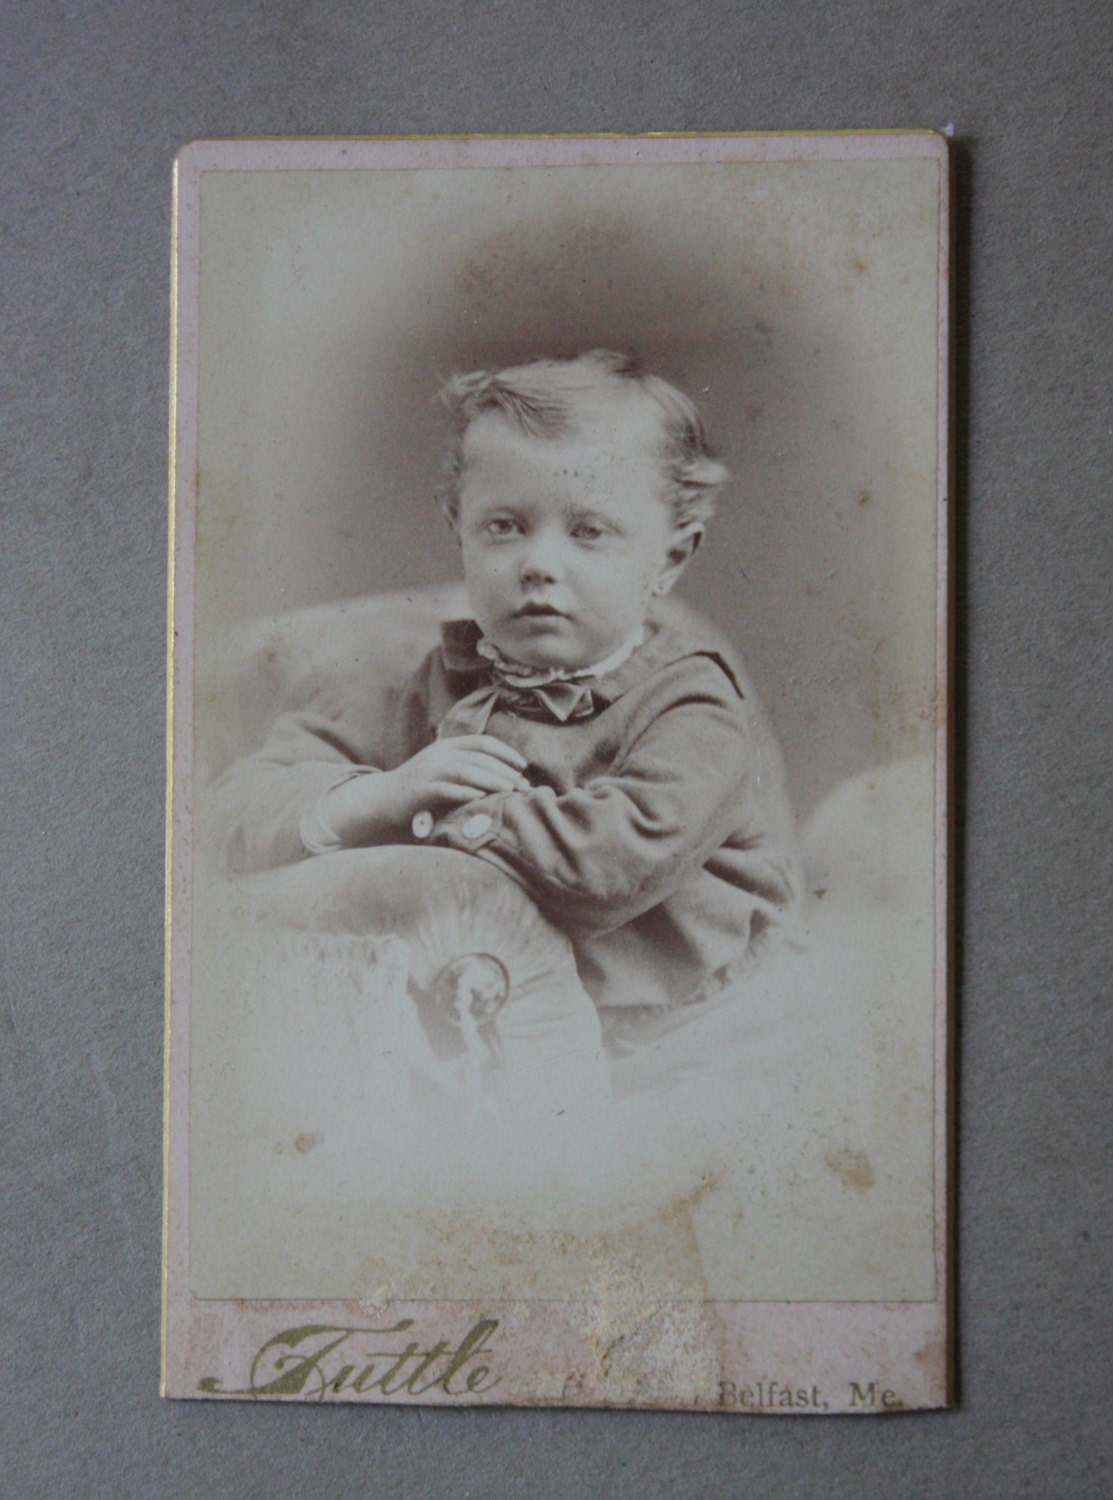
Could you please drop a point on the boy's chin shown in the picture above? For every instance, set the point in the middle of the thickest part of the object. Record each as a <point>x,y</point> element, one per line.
<point>551,655</point>
<point>544,651</point>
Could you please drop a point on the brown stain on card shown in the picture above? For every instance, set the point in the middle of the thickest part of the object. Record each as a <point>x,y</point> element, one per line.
<point>853,1169</point>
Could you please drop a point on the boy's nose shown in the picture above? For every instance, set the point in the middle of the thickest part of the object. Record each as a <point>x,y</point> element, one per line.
<point>541,563</point>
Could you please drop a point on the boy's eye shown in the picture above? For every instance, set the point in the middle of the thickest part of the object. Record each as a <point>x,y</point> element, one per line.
<point>501,526</point>
<point>587,531</point>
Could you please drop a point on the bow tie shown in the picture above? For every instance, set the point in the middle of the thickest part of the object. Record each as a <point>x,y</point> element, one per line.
<point>557,702</point>
<point>561,700</point>
<point>551,695</point>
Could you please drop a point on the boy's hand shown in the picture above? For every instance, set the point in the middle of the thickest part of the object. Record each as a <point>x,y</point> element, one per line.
<point>448,772</point>
<point>458,770</point>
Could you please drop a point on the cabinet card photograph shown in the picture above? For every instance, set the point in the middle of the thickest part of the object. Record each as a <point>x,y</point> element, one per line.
<point>557,902</point>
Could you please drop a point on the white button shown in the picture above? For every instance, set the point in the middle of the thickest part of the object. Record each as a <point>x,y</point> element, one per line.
<point>422,824</point>
<point>477,825</point>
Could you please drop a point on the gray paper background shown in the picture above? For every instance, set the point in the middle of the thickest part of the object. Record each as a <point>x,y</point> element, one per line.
<point>96,99</point>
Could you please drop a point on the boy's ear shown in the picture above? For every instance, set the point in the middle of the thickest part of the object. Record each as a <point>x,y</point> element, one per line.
<point>682,548</point>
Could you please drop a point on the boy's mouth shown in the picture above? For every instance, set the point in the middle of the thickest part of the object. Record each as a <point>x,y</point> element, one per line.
<point>539,611</point>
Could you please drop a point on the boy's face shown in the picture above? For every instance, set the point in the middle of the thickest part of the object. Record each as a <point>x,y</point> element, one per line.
<point>564,540</point>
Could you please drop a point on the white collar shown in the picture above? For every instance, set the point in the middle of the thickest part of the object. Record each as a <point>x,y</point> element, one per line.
<point>518,674</point>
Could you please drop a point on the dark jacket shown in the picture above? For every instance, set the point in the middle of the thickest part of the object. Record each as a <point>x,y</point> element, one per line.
<point>658,836</point>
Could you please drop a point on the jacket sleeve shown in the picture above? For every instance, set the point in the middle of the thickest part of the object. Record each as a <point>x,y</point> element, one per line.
<point>689,781</point>
<point>261,808</point>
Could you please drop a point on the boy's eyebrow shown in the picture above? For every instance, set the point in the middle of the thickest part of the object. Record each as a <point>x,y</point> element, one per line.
<point>590,513</point>
<point>496,502</point>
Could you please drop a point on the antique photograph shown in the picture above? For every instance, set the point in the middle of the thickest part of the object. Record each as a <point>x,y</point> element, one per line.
<point>558,898</point>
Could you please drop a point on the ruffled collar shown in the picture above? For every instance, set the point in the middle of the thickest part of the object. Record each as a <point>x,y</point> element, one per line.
<point>519,675</point>
<point>664,641</point>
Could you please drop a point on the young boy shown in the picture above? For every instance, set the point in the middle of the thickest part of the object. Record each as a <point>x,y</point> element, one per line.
<point>596,746</point>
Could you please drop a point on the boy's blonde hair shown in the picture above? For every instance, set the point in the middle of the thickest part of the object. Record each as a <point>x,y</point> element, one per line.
<point>543,399</point>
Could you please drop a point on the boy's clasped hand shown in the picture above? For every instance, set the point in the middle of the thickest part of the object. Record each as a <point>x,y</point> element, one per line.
<point>450,771</point>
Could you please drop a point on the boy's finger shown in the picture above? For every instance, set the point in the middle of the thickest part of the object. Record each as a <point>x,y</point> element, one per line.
<point>491,746</point>
<point>452,791</point>
<point>488,779</point>
<point>504,779</point>
<point>481,759</point>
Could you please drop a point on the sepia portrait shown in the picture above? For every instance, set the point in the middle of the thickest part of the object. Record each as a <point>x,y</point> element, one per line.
<point>558,859</point>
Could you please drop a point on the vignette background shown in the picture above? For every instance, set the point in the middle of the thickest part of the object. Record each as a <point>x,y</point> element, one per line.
<point>796,302</point>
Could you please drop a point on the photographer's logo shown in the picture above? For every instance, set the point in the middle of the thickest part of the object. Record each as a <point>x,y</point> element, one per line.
<point>317,1361</point>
